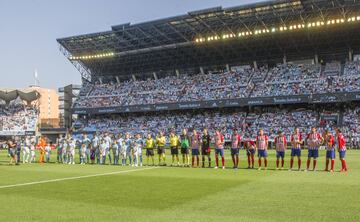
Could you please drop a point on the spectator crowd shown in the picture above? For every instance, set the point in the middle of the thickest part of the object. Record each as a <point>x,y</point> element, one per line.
<point>242,82</point>
<point>272,120</point>
<point>16,118</point>
<point>283,79</point>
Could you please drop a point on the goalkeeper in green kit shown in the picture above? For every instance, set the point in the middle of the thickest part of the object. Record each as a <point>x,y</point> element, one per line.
<point>185,144</point>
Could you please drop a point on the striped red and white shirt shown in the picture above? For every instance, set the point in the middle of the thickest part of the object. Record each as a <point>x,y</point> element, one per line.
<point>219,141</point>
<point>341,142</point>
<point>195,141</point>
<point>250,145</point>
<point>314,141</point>
<point>235,141</point>
<point>280,143</point>
<point>261,142</point>
<point>329,141</point>
<point>295,141</point>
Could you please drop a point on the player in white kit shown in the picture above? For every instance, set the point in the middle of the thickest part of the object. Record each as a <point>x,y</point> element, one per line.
<point>32,152</point>
<point>72,145</point>
<point>26,150</point>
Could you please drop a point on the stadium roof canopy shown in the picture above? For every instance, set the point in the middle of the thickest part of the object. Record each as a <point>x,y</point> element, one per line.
<point>27,95</point>
<point>263,32</point>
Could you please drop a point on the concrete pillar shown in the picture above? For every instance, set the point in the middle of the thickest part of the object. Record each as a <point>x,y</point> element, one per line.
<point>316,58</point>
<point>177,72</point>
<point>117,79</point>
<point>350,55</point>
<point>284,60</point>
<point>155,76</point>
<point>255,65</point>
<point>202,70</point>
<point>228,67</point>
<point>133,77</point>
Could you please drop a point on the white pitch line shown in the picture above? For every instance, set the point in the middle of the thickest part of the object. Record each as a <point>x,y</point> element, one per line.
<point>74,178</point>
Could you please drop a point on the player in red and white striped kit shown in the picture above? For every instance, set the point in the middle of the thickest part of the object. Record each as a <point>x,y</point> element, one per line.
<point>235,146</point>
<point>341,149</point>
<point>330,150</point>
<point>262,142</point>
<point>296,141</point>
<point>314,140</point>
<point>195,148</point>
<point>280,145</point>
<point>219,148</point>
<point>250,152</point>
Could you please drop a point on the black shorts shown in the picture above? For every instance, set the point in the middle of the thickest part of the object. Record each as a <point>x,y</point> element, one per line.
<point>184,150</point>
<point>161,150</point>
<point>149,152</point>
<point>174,150</point>
<point>205,151</point>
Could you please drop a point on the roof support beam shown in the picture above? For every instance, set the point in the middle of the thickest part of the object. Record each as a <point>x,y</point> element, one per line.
<point>155,48</point>
<point>179,33</point>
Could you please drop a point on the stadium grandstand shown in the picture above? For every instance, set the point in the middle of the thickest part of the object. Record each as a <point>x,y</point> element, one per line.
<point>273,65</point>
<point>18,112</point>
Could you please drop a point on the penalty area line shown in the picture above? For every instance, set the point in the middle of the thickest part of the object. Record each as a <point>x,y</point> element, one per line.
<point>75,178</point>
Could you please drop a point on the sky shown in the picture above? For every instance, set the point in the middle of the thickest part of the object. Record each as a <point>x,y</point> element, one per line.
<point>29,29</point>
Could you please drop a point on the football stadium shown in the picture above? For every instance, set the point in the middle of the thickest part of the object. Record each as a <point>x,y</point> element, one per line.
<point>243,113</point>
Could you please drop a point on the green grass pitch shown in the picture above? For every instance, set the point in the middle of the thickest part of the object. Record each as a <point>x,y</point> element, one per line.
<point>179,194</point>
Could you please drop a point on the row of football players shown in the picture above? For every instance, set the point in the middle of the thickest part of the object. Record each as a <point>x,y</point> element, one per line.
<point>129,150</point>
<point>28,146</point>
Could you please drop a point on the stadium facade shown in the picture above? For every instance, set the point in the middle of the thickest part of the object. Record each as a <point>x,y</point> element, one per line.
<point>219,38</point>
